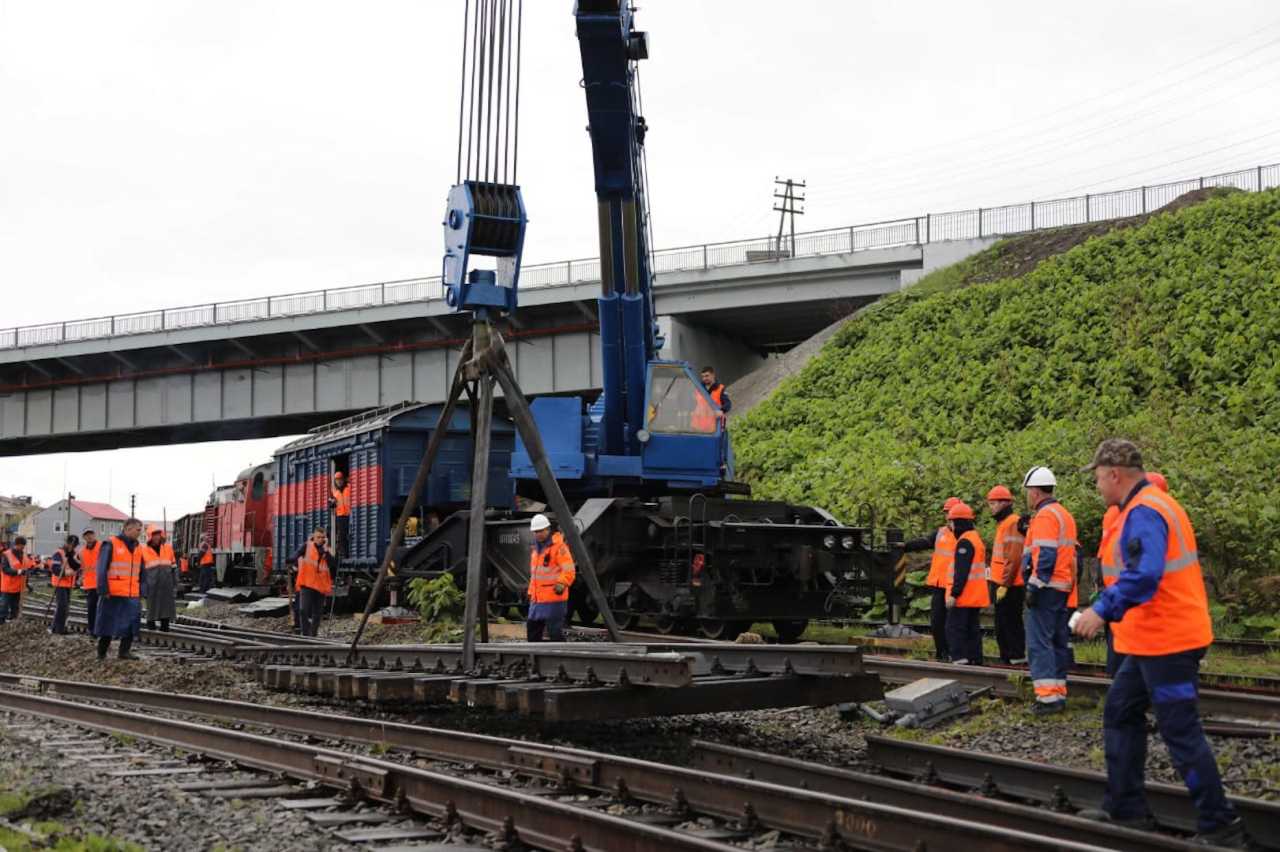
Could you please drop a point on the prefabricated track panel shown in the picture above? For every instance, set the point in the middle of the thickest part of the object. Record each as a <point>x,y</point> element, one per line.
<point>382,450</point>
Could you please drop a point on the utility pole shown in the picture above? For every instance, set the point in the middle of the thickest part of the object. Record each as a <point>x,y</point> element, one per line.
<point>67,527</point>
<point>785,207</point>
<point>133,505</point>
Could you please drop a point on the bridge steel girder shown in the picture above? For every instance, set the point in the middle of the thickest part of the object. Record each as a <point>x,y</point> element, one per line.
<point>279,389</point>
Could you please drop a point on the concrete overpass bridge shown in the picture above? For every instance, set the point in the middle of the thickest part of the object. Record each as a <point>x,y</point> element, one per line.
<point>283,364</point>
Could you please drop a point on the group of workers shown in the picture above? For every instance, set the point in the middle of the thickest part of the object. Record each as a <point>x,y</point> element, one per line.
<point>116,576</point>
<point>1151,605</point>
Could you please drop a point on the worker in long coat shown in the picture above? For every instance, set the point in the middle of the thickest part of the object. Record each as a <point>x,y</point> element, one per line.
<point>122,584</point>
<point>162,586</point>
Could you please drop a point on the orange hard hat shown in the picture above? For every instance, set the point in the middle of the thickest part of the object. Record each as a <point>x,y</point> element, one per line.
<point>1158,480</point>
<point>959,511</point>
<point>1000,492</point>
<point>951,501</point>
<point>152,529</point>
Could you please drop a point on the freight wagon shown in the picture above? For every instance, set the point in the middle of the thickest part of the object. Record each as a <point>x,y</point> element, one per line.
<point>379,452</point>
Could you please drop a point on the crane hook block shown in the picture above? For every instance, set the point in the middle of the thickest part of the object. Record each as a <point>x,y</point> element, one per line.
<point>483,219</point>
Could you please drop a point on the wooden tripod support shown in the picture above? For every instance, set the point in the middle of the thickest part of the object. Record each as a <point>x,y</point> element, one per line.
<point>483,362</point>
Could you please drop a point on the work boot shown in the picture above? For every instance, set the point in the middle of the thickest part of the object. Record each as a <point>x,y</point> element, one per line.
<point>1231,836</point>
<point>1143,823</point>
<point>1048,708</point>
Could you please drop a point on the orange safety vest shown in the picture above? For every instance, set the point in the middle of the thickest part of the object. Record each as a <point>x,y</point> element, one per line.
<point>206,557</point>
<point>1006,553</point>
<point>312,573</point>
<point>152,557</point>
<point>59,578</point>
<point>184,565</point>
<point>89,565</point>
<point>944,553</point>
<point>1106,547</point>
<point>548,567</point>
<point>974,593</point>
<point>1053,526</point>
<point>124,575</point>
<point>343,499</point>
<point>704,419</point>
<point>14,585</point>
<point>1177,617</point>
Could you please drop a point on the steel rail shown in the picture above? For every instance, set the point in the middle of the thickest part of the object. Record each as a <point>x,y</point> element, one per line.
<point>1012,684</point>
<point>808,813</point>
<point>1041,782</point>
<point>788,772</point>
<point>535,820</point>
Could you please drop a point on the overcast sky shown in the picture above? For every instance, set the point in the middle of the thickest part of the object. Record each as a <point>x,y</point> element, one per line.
<point>155,154</point>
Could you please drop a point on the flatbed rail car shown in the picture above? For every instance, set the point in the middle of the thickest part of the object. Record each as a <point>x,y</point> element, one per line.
<point>378,452</point>
<point>688,563</point>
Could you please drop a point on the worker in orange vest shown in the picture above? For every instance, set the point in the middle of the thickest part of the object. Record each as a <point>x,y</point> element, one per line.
<point>122,584</point>
<point>943,545</point>
<point>315,562</point>
<point>63,579</point>
<point>14,565</point>
<point>716,391</point>
<point>1050,553</point>
<point>90,548</point>
<point>340,503</point>
<point>1007,589</point>
<point>208,565</point>
<point>1159,613</point>
<point>551,575</point>
<point>162,586</point>
<point>966,588</point>
<point>1109,565</point>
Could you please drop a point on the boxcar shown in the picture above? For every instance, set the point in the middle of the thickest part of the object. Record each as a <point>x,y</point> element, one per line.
<point>379,452</point>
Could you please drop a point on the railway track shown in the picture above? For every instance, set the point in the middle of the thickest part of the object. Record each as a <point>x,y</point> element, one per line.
<point>554,797</point>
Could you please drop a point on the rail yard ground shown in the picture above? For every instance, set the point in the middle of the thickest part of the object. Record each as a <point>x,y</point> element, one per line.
<point>150,811</point>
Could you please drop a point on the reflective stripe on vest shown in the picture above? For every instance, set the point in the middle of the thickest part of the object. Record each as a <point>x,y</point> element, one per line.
<point>1177,617</point>
<point>944,552</point>
<point>1064,566</point>
<point>124,574</point>
<point>89,564</point>
<point>547,567</point>
<point>59,578</point>
<point>1006,552</point>
<point>312,574</point>
<point>152,557</point>
<point>14,585</point>
<point>974,593</point>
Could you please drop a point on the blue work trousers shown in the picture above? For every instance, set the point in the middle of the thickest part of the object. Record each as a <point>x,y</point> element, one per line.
<point>546,618</point>
<point>1170,685</point>
<point>1048,644</point>
<point>964,634</point>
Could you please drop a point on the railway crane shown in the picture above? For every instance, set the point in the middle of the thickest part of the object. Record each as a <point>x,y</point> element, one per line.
<point>646,465</point>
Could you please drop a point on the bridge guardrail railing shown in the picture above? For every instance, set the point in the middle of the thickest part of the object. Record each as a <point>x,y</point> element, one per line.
<point>917,230</point>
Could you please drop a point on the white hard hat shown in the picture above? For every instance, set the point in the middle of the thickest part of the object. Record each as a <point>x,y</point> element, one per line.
<point>1039,477</point>
<point>539,522</point>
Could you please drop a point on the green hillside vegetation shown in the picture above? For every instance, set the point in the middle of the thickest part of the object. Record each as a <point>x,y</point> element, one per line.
<point>1165,331</point>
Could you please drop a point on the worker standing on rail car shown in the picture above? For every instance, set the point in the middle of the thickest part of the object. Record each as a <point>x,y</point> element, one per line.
<point>14,565</point>
<point>63,579</point>
<point>122,584</point>
<point>551,574</point>
<point>340,503</point>
<point>159,562</point>
<point>1049,571</point>
<point>315,563</point>
<point>1159,612</point>
<point>943,545</point>
<point>966,588</point>
<point>1007,589</point>
<point>208,565</point>
<point>89,550</point>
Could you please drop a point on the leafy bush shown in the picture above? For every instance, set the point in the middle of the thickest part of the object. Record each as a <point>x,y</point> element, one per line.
<point>438,600</point>
<point>1167,333</point>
